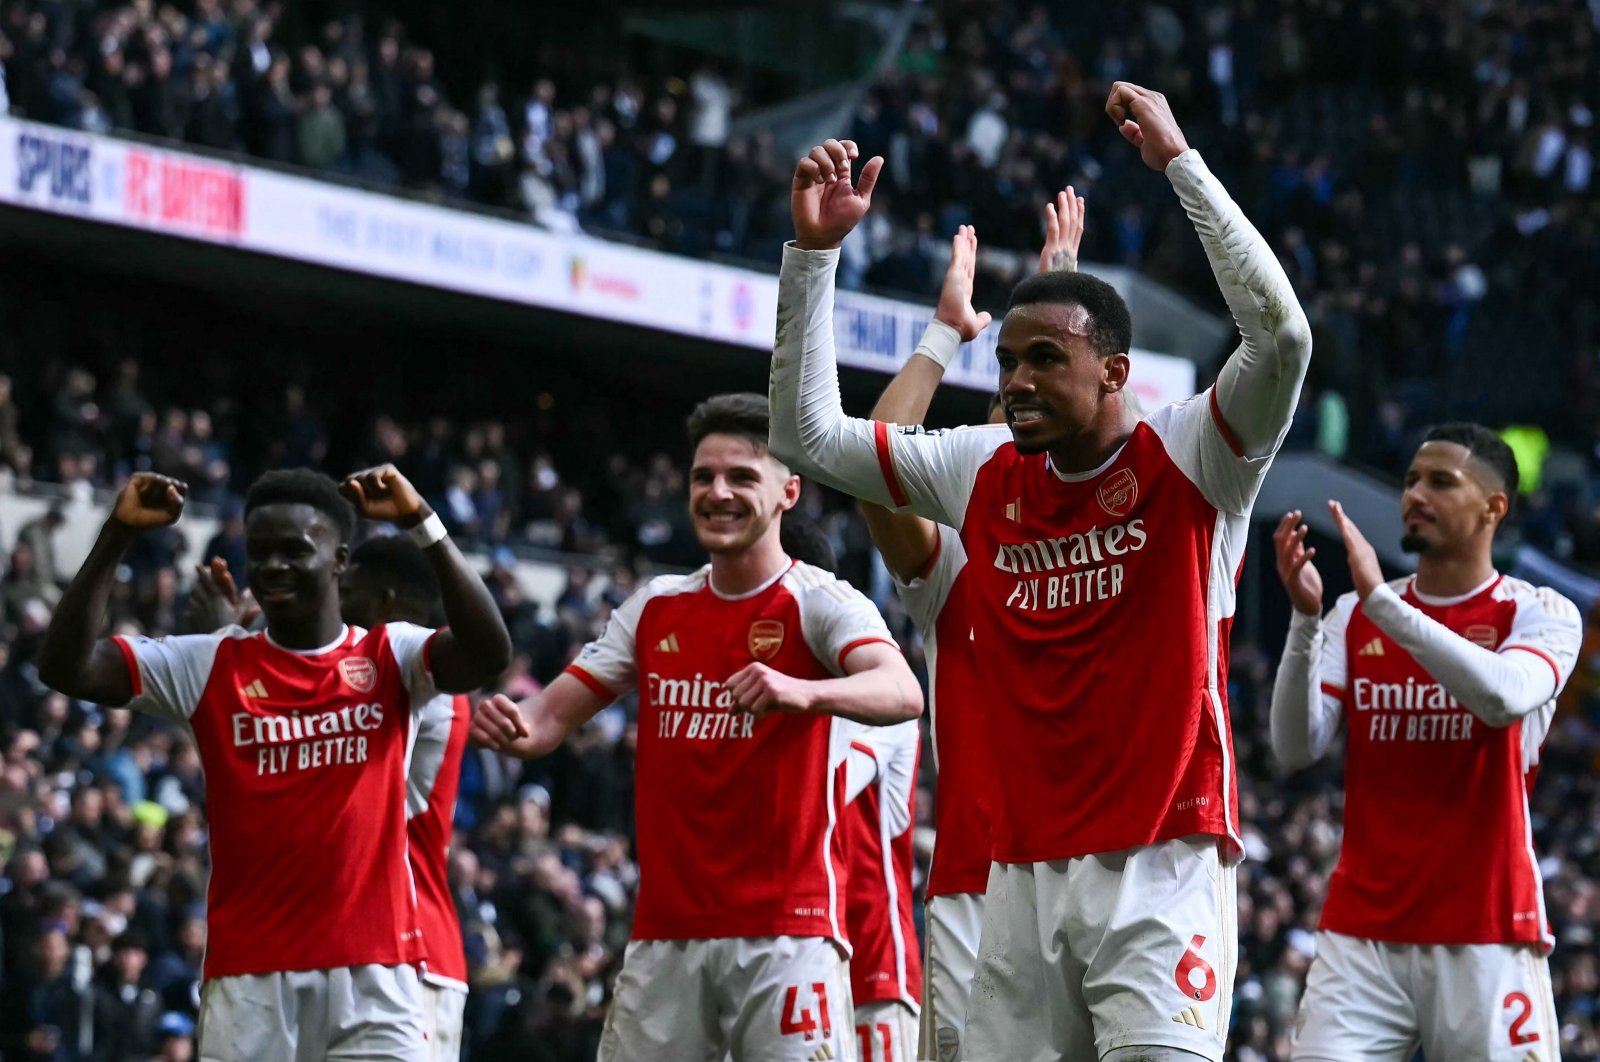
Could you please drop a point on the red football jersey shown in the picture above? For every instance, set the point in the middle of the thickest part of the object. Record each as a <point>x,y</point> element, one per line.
<point>431,788</point>
<point>885,961</point>
<point>1103,603</point>
<point>964,804</point>
<point>1438,847</point>
<point>737,817</point>
<point>305,764</point>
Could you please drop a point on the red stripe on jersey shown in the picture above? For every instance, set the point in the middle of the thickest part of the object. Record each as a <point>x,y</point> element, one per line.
<point>868,749</point>
<point>858,643</point>
<point>1222,425</point>
<point>427,649</point>
<point>133,664</point>
<point>886,463</point>
<point>589,680</point>
<point>1542,655</point>
<point>933,558</point>
<point>1333,691</point>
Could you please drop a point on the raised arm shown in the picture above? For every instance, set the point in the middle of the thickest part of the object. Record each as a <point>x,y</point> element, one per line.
<point>1259,386</point>
<point>476,646</point>
<point>927,472</point>
<point>73,658</point>
<point>1498,686</point>
<point>1305,710</point>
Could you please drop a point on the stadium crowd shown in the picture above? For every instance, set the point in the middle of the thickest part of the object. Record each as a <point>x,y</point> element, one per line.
<point>1482,155</point>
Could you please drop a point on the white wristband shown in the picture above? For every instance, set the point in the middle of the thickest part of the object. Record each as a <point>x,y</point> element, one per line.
<point>939,344</point>
<point>428,532</point>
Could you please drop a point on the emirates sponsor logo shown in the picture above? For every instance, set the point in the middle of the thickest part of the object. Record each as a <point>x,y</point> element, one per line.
<point>766,638</point>
<point>359,673</point>
<point>1071,551</point>
<point>1119,492</point>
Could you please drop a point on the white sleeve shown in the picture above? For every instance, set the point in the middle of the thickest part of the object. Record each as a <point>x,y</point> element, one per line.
<point>931,472</point>
<point>895,749</point>
<point>924,596</point>
<point>1308,693</point>
<point>610,660</point>
<point>409,643</point>
<point>1239,422</point>
<point>860,769</point>
<point>170,674</point>
<point>434,724</point>
<point>1501,686</point>
<point>836,618</point>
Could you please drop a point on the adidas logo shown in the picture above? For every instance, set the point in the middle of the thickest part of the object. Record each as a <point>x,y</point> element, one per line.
<point>1014,511</point>
<point>255,689</point>
<point>823,1054</point>
<point>1372,648</point>
<point>1190,1016</point>
<point>1532,1056</point>
<point>669,644</point>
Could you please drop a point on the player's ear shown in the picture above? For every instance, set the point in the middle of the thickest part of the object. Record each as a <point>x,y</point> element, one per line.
<point>341,558</point>
<point>791,492</point>
<point>1114,372</point>
<point>1496,506</point>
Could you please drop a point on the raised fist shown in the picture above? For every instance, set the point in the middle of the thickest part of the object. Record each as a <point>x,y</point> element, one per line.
<point>150,500</point>
<point>1146,122</point>
<point>382,493</point>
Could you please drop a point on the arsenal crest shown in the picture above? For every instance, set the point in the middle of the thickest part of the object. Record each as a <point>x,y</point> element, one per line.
<point>359,673</point>
<point>766,638</point>
<point>1483,634</point>
<point>1118,493</point>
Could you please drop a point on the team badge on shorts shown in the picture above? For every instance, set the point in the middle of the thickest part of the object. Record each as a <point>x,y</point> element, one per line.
<point>949,1042</point>
<point>766,638</point>
<point>1118,493</point>
<point>359,673</point>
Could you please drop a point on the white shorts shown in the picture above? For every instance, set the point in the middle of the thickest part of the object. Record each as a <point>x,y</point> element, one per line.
<point>349,1013</point>
<point>760,999</point>
<point>886,1031</point>
<point>444,1009</point>
<point>1128,949</point>
<point>955,925</point>
<point>1368,1001</point>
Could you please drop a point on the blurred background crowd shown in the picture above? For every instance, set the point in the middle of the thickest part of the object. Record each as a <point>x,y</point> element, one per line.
<point>1423,167</point>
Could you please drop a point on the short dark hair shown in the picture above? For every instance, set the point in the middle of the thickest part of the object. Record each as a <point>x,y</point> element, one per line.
<point>398,564</point>
<point>1110,326</point>
<point>302,486</point>
<point>1485,446</point>
<point>746,415</point>
<point>805,541</point>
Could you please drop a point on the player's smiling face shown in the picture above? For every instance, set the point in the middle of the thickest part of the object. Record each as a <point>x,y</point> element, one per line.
<point>737,490</point>
<point>1052,380</point>
<point>294,559</point>
<point>1449,499</point>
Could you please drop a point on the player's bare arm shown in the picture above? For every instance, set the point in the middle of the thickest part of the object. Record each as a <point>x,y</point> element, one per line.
<point>1063,232</point>
<point>1498,687</point>
<point>538,725</point>
<point>73,658</point>
<point>1259,386</point>
<point>905,540</point>
<point>878,689</point>
<point>476,646</point>
<point>215,600</point>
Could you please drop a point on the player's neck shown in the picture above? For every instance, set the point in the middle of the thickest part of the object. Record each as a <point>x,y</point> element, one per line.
<point>1453,575</point>
<point>733,574</point>
<point>310,632</point>
<point>1099,439</point>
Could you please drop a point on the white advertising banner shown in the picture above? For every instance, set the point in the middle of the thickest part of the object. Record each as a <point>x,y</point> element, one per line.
<point>125,183</point>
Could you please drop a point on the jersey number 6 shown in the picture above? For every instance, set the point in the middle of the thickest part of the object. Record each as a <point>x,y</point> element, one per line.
<point>1191,962</point>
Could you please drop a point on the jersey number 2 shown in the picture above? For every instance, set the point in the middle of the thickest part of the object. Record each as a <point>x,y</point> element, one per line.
<point>1520,999</point>
<point>798,1019</point>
